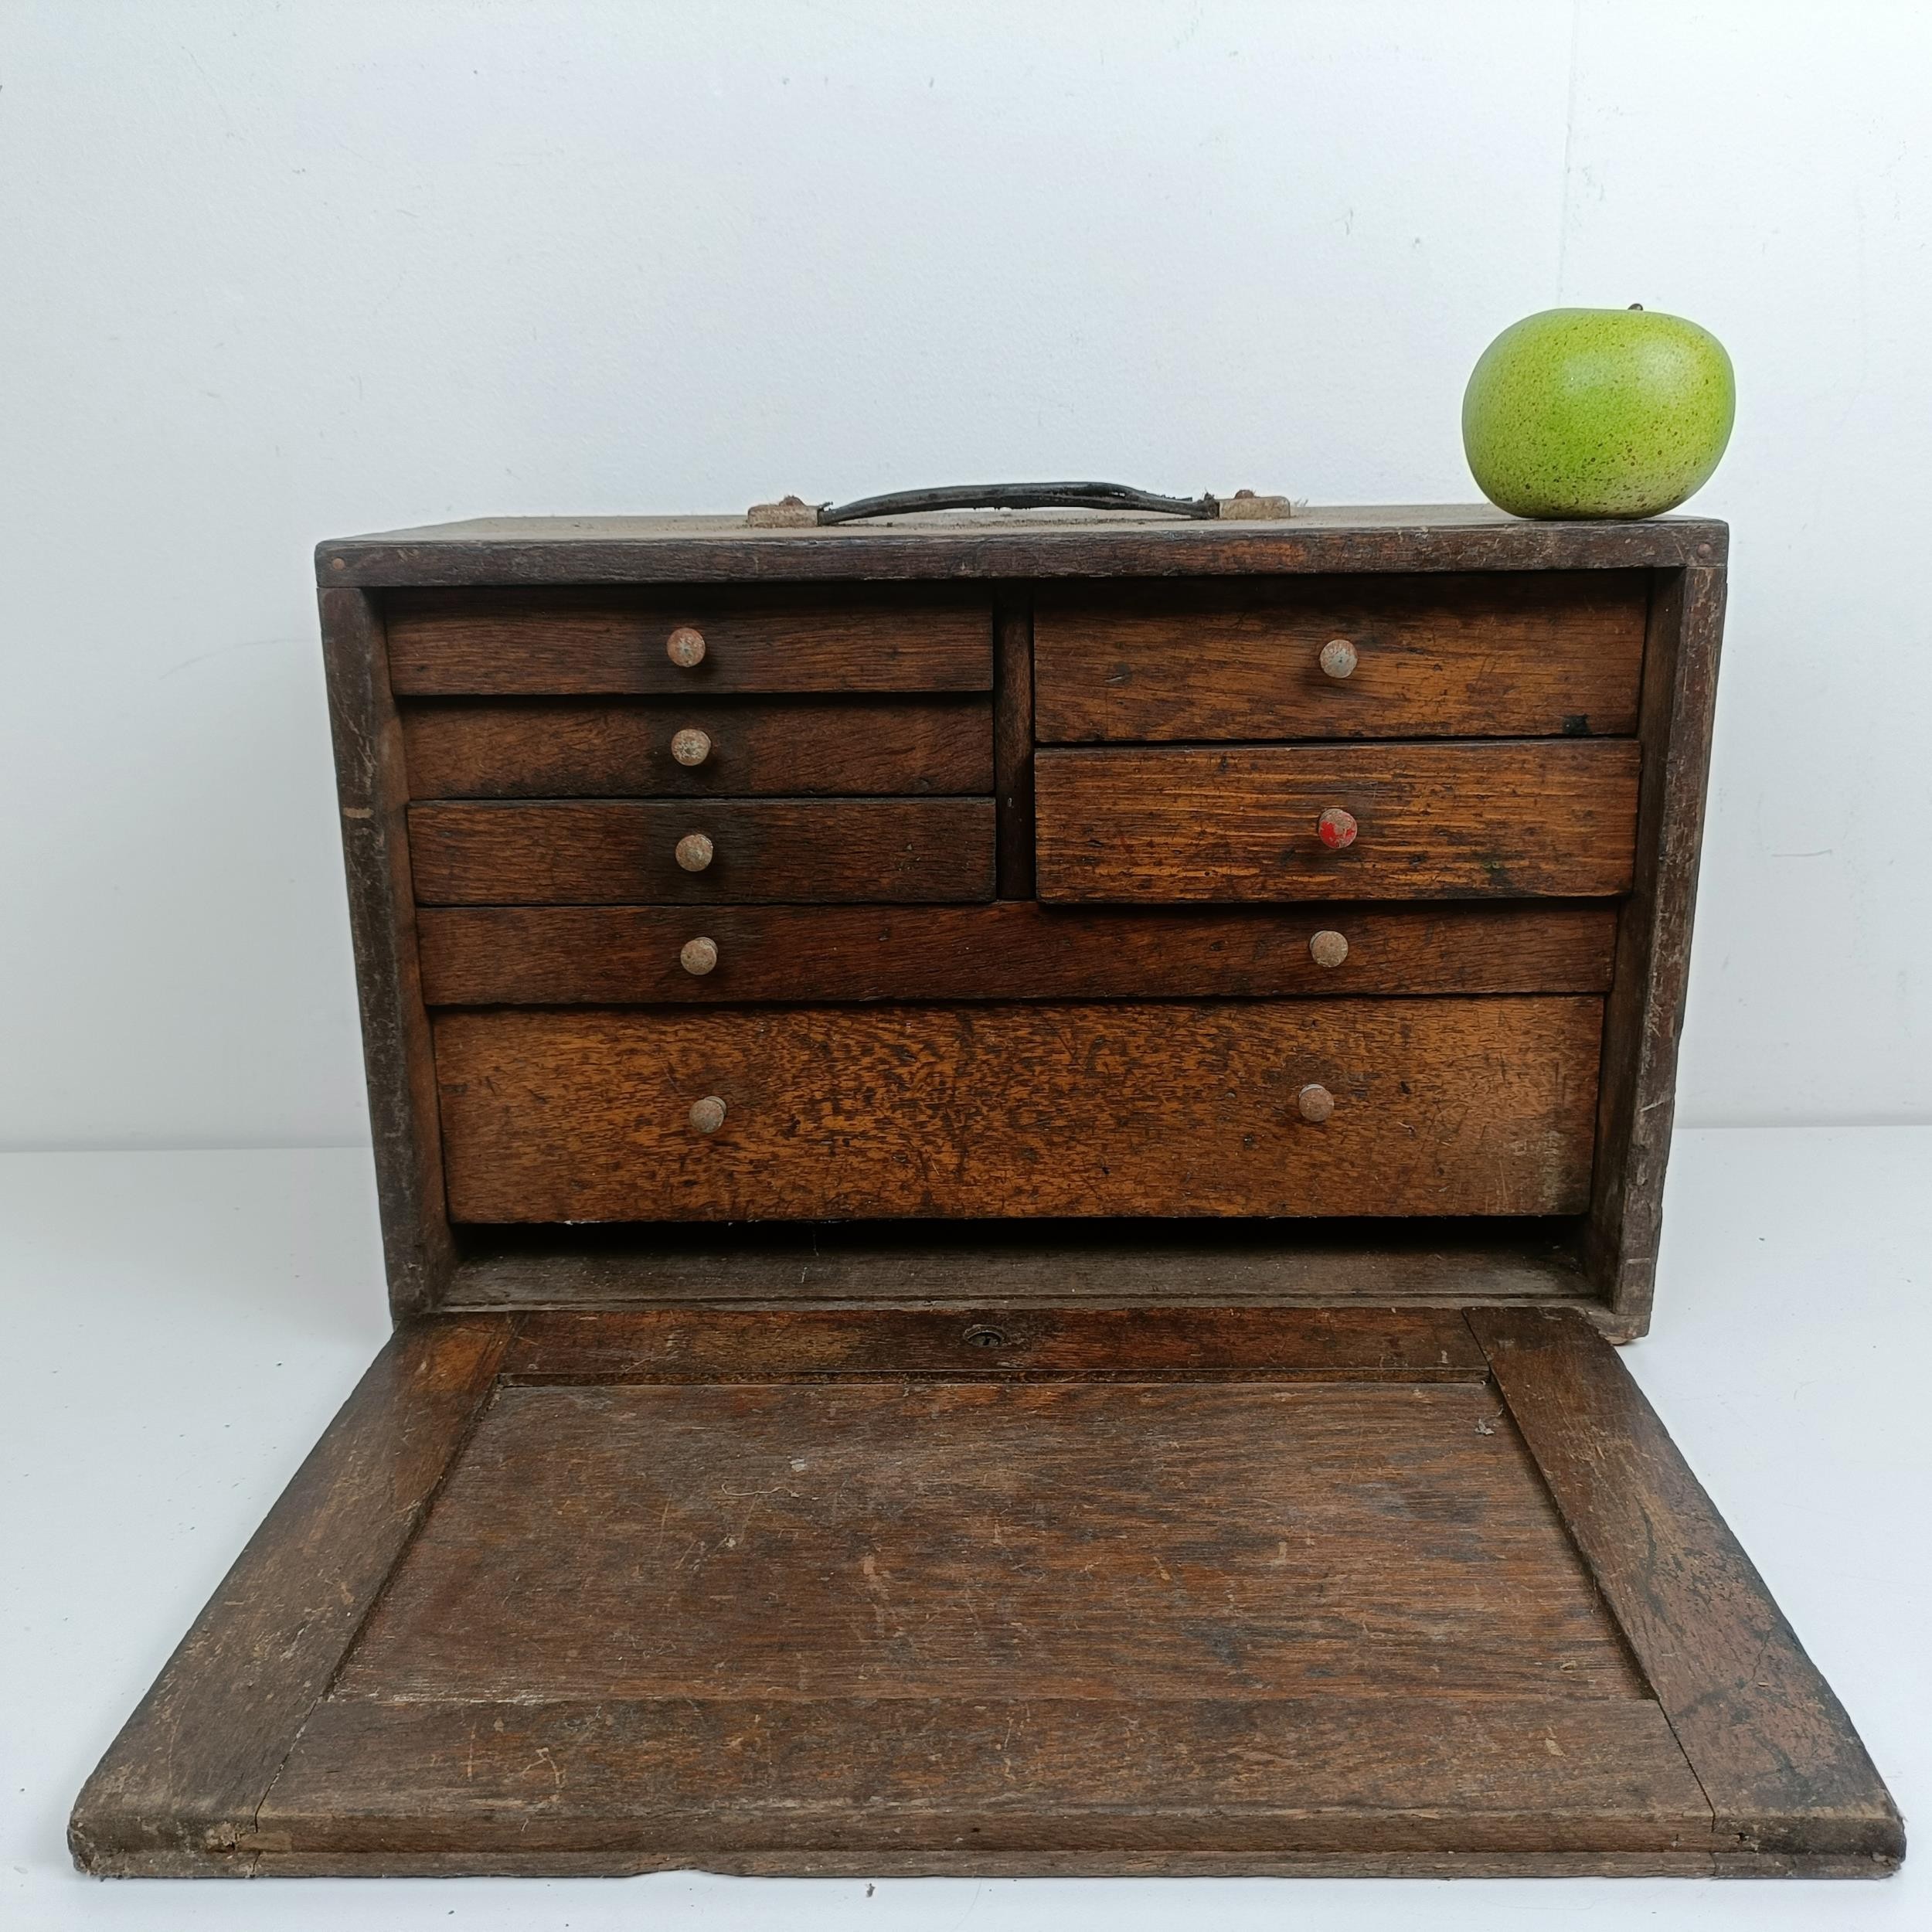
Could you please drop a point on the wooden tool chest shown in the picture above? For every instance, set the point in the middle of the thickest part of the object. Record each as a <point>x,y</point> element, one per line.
<point>1010,1149</point>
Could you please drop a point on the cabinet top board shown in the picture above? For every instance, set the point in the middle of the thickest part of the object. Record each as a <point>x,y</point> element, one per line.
<point>1007,544</point>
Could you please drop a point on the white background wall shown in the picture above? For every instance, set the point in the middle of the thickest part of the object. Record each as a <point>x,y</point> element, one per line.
<point>273,273</point>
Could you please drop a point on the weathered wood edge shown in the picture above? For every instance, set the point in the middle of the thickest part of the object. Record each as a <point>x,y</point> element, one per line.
<point>989,1342</point>
<point>1784,1770</point>
<point>182,1784</point>
<point>1644,1016</point>
<point>1019,550</point>
<point>373,786</point>
<point>1013,745</point>
<point>1065,1865</point>
<point>971,1263</point>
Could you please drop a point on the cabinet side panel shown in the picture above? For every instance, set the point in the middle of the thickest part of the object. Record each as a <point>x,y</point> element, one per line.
<point>1644,1015</point>
<point>373,786</point>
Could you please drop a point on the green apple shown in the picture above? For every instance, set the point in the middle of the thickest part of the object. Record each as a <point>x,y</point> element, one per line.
<point>1597,412</point>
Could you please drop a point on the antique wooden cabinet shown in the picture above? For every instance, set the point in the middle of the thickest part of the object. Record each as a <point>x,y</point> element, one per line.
<point>1011,1148</point>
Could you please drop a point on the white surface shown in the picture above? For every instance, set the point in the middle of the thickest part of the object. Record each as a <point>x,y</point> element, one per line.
<point>182,1326</point>
<point>275,273</point>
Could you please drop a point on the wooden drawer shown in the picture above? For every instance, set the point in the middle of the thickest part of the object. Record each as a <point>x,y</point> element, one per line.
<point>1516,655</point>
<point>526,643</point>
<point>1552,819</point>
<point>537,748</point>
<point>1441,1107</point>
<point>617,955</point>
<point>764,851</point>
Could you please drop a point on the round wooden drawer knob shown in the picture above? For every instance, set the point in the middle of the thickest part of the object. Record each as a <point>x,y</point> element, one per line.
<point>707,1115</point>
<point>691,747</point>
<point>698,956</point>
<point>685,647</point>
<point>1328,949</point>
<point>1336,828</point>
<point>694,852</point>
<point>1314,1104</point>
<point>1338,658</point>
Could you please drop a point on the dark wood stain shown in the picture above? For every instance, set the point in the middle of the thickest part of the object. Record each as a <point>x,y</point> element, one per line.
<point>1555,819</point>
<point>594,852</point>
<point>1445,1106</point>
<point>1050,1483</point>
<point>559,748</point>
<point>1478,656</point>
<point>618,955</point>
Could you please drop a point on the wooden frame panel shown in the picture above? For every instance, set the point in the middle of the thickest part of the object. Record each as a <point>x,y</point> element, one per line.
<point>372,787</point>
<point>241,1762</point>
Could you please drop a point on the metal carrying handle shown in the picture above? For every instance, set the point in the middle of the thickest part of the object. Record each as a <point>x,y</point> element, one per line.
<point>1021,496</point>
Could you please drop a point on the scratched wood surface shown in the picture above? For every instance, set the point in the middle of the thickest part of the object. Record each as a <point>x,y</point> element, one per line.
<point>1557,818</point>
<point>455,642</point>
<point>597,851</point>
<point>781,1784</point>
<point>617,955</point>
<point>1477,655</point>
<point>1116,1541</point>
<point>1233,1591</point>
<point>560,748</point>
<point>1442,1107</point>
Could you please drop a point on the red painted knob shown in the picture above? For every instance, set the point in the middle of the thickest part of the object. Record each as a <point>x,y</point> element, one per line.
<point>1336,828</point>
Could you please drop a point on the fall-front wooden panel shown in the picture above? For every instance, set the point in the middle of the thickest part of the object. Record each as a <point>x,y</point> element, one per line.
<point>760,851</point>
<point>1440,1106</point>
<point>450,643</point>
<point>1529,653</point>
<point>1556,818</point>
<point>619,955</point>
<point>533,748</point>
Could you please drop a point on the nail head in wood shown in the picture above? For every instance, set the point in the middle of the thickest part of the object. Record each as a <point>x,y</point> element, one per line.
<point>694,852</point>
<point>685,646</point>
<point>691,747</point>
<point>1315,1102</point>
<point>1336,828</point>
<point>698,956</point>
<point>1328,949</point>
<point>1338,658</point>
<point>707,1115</point>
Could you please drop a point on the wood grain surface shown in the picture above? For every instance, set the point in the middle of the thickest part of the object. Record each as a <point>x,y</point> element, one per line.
<point>182,1780</point>
<point>1638,1105</point>
<point>1771,1744</point>
<point>731,1344</point>
<point>774,849</point>
<point>1115,1542</point>
<point>616,955</point>
<point>959,1783</point>
<point>494,642</point>
<point>681,550</point>
<point>1445,1106</point>
<point>1556,818</point>
<point>1475,656</point>
<point>372,794</point>
<point>556,748</point>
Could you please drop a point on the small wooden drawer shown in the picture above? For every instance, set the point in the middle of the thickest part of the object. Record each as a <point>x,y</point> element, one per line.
<point>1554,819</point>
<point>702,852</point>
<point>1382,1107</point>
<point>485,643</point>
<point>1516,655</point>
<point>749,747</point>
<point>619,955</point>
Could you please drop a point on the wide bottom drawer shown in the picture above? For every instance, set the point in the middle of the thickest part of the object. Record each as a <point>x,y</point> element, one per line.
<point>1381,1106</point>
